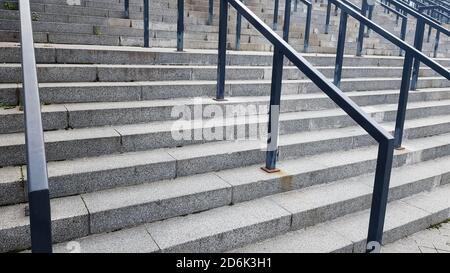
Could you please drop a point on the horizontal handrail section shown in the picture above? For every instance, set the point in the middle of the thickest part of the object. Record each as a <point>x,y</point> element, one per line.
<point>283,49</point>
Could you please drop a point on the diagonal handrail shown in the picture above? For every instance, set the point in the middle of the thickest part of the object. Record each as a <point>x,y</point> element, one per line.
<point>283,49</point>
<point>37,178</point>
<point>411,54</point>
<point>393,39</point>
<point>422,20</point>
<point>404,22</point>
<point>442,9</point>
<point>287,15</point>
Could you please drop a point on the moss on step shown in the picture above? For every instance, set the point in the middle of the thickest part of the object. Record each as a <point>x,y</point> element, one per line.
<point>6,106</point>
<point>438,226</point>
<point>10,6</point>
<point>97,30</point>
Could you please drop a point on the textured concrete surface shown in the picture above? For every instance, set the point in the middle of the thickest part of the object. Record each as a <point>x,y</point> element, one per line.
<point>125,207</point>
<point>435,239</point>
<point>207,195</point>
<point>134,240</point>
<point>222,228</point>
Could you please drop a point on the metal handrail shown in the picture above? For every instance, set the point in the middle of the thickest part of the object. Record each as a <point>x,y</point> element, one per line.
<point>283,49</point>
<point>286,15</point>
<point>404,22</point>
<point>444,7</point>
<point>436,45</point>
<point>37,177</point>
<point>411,53</point>
<point>409,10</point>
<point>418,39</point>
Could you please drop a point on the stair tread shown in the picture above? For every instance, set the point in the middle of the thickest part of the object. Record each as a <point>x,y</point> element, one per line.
<point>349,230</point>
<point>175,232</point>
<point>222,179</point>
<point>166,102</point>
<point>167,126</point>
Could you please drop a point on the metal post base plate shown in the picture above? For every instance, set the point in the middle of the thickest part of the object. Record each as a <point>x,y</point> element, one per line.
<point>270,170</point>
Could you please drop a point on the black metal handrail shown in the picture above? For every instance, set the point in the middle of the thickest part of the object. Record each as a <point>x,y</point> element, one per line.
<point>442,9</point>
<point>281,49</point>
<point>411,54</point>
<point>404,22</point>
<point>398,11</point>
<point>418,39</point>
<point>146,19</point>
<point>288,14</point>
<point>37,178</point>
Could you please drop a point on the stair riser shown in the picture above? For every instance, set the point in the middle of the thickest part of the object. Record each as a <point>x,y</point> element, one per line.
<point>198,43</point>
<point>121,141</point>
<point>68,116</point>
<point>99,56</point>
<point>12,74</point>
<point>389,235</point>
<point>266,229</point>
<point>109,220</point>
<point>89,182</point>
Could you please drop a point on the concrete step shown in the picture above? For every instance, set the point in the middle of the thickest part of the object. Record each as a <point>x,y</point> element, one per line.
<point>228,227</point>
<point>193,41</point>
<point>79,115</point>
<point>417,151</point>
<point>95,54</point>
<point>195,15</point>
<point>99,173</point>
<point>12,73</point>
<point>348,234</point>
<point>77,143</point>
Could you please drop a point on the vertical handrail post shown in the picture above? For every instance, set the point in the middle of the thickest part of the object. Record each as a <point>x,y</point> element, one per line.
<point>436,43</point>
<point>210,11</point>
<point>307,27</point>
<point>127,9</point>
<point>295,5</point>
<point>380,196</point>
<point>397,17</point>
<point>360,40</point>
<point>369,16</point>
<point>418,43</point>
<point>274,112</point>
<point>275,15</point>
<point>146,24</point>
<point>287,20</point>
<point>275,97</point>
<point>238,29</point>
<point>429,34</point>
<point>327,18</point>
<point>340,48</point>
<point>180,25</point>
<point>222,50</point>
<point>37,176</point>
<point>403,32</point>
<point>403,100</point>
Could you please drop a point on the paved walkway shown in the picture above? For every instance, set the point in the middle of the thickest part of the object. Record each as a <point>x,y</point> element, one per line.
<point>431,240</point>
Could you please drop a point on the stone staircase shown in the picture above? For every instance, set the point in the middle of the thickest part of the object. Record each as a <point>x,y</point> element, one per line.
<point>121,182</point>
<point>102,23</point>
